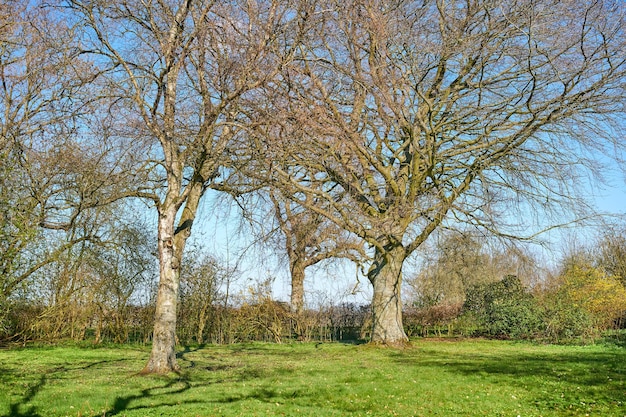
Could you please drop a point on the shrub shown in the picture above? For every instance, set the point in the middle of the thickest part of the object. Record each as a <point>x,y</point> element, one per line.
<point>584,303</point>
<point>565,320</point>
<point>434,319</point>
<point>601,296</point>
<point>503,309</point>
<point>468,324</point>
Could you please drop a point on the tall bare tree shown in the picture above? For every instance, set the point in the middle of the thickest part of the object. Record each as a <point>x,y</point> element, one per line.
<point>48,175</point>
<point>179,71</point>
<point>410,115</point>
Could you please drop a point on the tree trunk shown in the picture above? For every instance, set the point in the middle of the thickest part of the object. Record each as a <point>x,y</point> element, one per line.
<point>202,319</point>
<point>297,286</point>
<point>171,248</point>
<point>386,278</point>
<point>163,357</point>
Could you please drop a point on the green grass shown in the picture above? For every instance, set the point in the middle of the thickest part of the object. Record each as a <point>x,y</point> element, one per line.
<point>431,378</point>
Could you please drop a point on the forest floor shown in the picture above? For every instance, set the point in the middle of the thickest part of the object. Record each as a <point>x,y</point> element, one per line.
<point>429,378</point>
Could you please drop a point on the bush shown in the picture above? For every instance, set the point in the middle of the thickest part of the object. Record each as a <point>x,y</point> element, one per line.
<point>503,309</point>
<point>468,324</point>
<point>585,303</point>
<point>565,320</point>
<point>435,319</point>
<point>603,297</point>
<point>18,322</point>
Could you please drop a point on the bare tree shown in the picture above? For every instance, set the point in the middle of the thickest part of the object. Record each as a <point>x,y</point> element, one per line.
<point>201,279</point>
<point>91,284</point>
<point>408,115</point>
<point>457,262</point>
<point>309,238</point>
<point>48,175</point>
<point>611,253</point>
<point>178,71</point>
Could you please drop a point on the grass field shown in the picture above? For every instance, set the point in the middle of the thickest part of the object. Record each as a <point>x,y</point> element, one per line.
<point>431,378</point>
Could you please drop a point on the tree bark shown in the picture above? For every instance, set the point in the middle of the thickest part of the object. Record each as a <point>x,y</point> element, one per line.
<point>163,356</point>
<point>386,278</point>
<point>172,242</point>
<point>297,286</point>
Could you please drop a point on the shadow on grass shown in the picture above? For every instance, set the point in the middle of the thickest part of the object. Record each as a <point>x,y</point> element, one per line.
<point>188,349</point>
<point>171,390</point>
<point>203,370</point>
<point>263,394</point>
<point>597,377</point>
<point>575,369</point>
<point>123,403</point>
<point>206,371</point>
<point>177,385</point>
<point>23,408</point>
<point>168,393</point>
<point>6,375</point>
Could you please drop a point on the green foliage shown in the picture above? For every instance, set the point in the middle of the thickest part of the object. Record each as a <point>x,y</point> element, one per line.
<point>601,296</point>
<point>565,320</point>
<point>459,261</point>
<point>504,309</point>
<point>468,324</point>
<point>462,378</point>
<point>583,303</point>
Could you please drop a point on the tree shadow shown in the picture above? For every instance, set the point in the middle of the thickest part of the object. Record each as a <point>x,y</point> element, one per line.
<point>6,375</point>
<point>189,349</point>
<point>263,394</point>
<point>569,368</point>
<point>596,376</point>
<point>123,403</point>
<point>185,380</point>
<point>175,385</point>
<point>22,408</point>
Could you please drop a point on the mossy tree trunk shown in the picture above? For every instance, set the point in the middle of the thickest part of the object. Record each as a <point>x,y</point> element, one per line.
<point>385,275</point>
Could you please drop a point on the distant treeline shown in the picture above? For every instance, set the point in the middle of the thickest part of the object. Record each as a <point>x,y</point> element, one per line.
<point>584,307</point>
<point>461,291</point>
